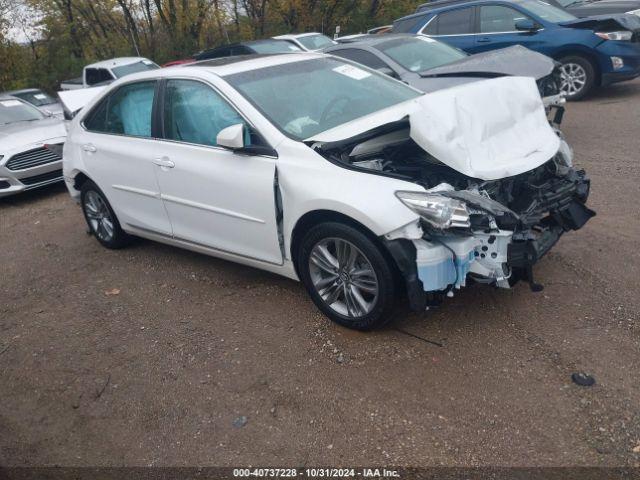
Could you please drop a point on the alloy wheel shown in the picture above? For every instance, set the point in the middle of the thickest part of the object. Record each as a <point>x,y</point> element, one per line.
<point>343,277</point>
<point>99,216</point>
<point>574,78</point>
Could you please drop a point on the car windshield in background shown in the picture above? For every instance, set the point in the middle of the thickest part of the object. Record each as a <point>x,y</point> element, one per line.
<point>275,46</point>
<point>315,42</point>
<point>36,97</point>
<point>547,12</point>
<point>12,111</point>
<point>420,53</point>
<point>311,96</point>
<point>141,66</point>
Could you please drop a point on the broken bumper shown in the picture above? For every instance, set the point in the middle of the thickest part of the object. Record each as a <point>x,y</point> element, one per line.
<point>435,265</point>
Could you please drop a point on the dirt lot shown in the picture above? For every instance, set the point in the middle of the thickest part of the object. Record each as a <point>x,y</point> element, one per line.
<point>160,373</point>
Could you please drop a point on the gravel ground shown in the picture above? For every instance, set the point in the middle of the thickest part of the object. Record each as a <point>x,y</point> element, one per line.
<point>157,356</point>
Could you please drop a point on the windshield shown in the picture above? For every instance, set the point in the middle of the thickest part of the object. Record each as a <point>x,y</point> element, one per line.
<point>274,46</point>
<point>420,53</point>
<point>315,42</point>
<point>307,97</point>
<point>141,66</point>
<point>12,111</point>
<point>35,97</point>
<point>547,12</point>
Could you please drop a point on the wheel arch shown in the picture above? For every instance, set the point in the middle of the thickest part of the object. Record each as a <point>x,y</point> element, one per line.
<point>587,55</point>
<point>315,217</point>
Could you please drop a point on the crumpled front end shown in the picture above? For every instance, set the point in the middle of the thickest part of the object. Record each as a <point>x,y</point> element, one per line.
<point>500,230</point>
<point>498,184</point>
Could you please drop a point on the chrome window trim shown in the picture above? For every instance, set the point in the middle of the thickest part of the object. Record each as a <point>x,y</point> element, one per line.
<point>158,80</point>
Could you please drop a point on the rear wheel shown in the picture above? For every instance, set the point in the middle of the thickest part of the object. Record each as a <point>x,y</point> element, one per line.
<point>101,218</point>
<point>578,77</point>
<point>348,277</point>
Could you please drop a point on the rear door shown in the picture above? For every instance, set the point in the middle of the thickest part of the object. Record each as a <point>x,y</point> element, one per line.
<point>118,150</point>
<point>497,29</point>
<point>455,27</point>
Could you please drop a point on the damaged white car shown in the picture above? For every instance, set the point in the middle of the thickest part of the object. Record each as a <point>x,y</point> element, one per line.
<point>322,170</point>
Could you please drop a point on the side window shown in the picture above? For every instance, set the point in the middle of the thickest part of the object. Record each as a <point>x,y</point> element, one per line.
<point>97,75</point>
<point>454,22</point>
<point>407,25</point>
<point>127,111</point>
<point>195,113</point>
<point>496,18</point>
<point>361,56</point>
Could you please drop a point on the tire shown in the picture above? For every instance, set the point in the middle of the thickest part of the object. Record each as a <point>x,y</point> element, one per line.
<point>578,77</point>
<point>351,277</point>
<point>101,218</point>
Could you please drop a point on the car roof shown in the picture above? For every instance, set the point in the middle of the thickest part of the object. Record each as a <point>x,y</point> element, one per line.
<point>293,36</point>
<point>224,66</point>
<point>242,63</point>
<point>438,4</point>
<point>370,40</point>
<point>116,62</point>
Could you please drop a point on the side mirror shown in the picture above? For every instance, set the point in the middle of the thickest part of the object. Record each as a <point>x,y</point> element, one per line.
<point>231,137</point>
<point>527,25</point>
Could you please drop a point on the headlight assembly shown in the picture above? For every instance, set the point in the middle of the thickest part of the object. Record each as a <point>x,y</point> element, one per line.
<point>621,35</point>
<point>635,12</point>
<point>437,210</point>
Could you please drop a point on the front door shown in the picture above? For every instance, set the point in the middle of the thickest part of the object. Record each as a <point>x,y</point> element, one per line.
<point>215,197</point>
<point>497,29</point>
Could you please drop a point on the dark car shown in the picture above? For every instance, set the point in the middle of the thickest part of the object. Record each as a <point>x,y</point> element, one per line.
<point>594,51</point>
<point>249,48</point>
<point>589,8</point>
<point>430,65</point>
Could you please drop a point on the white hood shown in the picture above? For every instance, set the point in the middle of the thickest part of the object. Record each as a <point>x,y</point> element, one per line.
<point>489,129</point>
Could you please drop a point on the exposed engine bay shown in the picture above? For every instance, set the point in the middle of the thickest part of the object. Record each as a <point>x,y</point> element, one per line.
<point>490,230</point>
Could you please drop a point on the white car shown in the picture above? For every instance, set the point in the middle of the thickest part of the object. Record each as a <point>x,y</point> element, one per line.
<point>321,170</point>
<point>30,147</point>
<point>308,42</point>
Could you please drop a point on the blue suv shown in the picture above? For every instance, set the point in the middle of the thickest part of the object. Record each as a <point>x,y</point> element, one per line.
<point>593,51</point>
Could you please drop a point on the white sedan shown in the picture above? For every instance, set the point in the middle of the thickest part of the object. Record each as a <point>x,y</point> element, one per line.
<point>322,170</point>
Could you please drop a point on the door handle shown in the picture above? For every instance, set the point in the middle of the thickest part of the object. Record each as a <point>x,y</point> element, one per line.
<point>164,162</point>
<point>484,40</point>
<point>87,147</point>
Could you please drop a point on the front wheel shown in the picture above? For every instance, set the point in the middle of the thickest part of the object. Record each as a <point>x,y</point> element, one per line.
<point>577,77</point>
<point>347,275</point>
